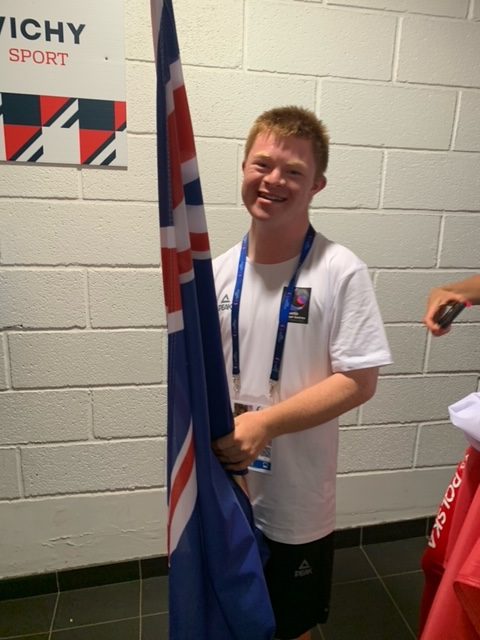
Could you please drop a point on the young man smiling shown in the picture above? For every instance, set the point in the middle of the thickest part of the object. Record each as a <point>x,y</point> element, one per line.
<point>303,341</point>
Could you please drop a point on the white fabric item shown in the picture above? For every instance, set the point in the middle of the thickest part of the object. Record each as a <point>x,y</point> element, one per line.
<point>465,414</point>
<point>295,503</point>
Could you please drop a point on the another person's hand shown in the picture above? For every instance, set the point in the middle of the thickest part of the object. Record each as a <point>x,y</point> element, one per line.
<point>438,299</point>
<point>237,450</point>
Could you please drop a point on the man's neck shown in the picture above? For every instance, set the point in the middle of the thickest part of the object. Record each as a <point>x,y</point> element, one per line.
<point>270,246</point>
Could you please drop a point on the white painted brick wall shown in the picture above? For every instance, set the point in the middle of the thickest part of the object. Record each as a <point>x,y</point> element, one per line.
<point>3,363</point>
<point>72,359</point>
<point>415,399</point>
<point>9,487</point>
<point>354,179</point>
<point>82,327</point>
<point>374,237</point>
<point>468,131</point>
<point>392,495</point>
<point>387,115</point>
<point>476,9</point>
<point>45,416</point>
<point>141,91</point>
<point>430,52</point>
<point>221,26</point>
<point>229,226</point>
<point>376,449</point>
<point>139,41</point>
<point>138,182</point>
<point>439,444</point>
<point>452,8</point>
<point>408,346</point>
<point>43,182</point>
<point>464,340</point>
<point>45,233</point>
<point>34,299</point>
<point>218,166</point>
<point>78,530</point>
<point>460,245</point>
<point>130,412</point>
<point>243,96</point>
<point>402,295</point>
<point>349,418</point>
<point>96,466</point>
<point>314,41</point>
<point>439,181</point>
<point>126,298</point>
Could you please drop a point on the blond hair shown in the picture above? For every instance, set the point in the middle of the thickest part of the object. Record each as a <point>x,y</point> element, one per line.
<point>285,122</point>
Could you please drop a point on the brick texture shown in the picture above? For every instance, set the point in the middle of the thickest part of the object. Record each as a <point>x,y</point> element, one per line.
<point>448,8</point>
<point>44,416</point>
<point>429,52</point>
<point>9,488</point>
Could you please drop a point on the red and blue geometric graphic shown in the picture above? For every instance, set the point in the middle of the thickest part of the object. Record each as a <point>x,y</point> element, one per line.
<point>61,130</point>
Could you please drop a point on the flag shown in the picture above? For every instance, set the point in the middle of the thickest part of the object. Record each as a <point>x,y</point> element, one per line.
<point>435,555</point>
<point>217,589</point>
<point>451,599</point>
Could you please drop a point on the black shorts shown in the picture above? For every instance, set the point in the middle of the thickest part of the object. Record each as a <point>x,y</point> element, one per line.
<point>299,578</point>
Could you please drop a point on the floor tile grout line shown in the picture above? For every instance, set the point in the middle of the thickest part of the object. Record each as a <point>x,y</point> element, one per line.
<point>401,573</point>
<point>386,575</point>
<point>140,573</point>
<point>54,615</point>
<point>357,581</point>
<point>23,636</point>
<point>90,624</point>
<point>414,635</point>
<point>394,602</point>
<point>59,591</point>
<point>81,626</point>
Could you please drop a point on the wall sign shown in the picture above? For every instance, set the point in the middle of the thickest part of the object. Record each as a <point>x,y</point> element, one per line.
<point>62,82</point>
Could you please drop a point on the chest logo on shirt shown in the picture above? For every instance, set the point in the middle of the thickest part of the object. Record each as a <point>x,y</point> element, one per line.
<point>300,305</point>
<point>225,304</point>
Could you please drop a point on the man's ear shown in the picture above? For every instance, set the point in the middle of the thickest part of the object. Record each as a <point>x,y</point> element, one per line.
<point>319,184</point>
<point>243,165</point>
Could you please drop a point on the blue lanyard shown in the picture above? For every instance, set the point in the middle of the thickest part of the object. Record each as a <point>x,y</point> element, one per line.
<point>282,317</point>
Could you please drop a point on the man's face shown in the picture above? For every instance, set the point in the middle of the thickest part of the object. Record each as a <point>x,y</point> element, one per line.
<point>279,179</point>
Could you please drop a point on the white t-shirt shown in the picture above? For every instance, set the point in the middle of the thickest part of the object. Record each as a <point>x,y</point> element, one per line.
<point>334,326</point>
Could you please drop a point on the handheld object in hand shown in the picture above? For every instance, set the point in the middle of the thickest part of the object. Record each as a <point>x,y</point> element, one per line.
<point>447,315</point>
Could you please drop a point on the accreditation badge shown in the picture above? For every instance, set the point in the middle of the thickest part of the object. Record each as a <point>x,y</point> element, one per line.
<point>263,463</point>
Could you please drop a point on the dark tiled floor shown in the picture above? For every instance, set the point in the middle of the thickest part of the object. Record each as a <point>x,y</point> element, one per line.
<point>376,595</point>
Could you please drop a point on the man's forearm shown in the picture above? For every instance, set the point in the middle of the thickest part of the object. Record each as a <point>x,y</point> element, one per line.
<point>470,288</point>
<point>313,406</point>
<point>322,402</point>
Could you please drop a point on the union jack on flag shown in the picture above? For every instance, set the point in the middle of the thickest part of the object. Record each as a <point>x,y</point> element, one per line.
<point>217,589</point>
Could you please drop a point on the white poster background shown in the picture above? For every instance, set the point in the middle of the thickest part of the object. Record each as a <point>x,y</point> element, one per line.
<point>94,68</point>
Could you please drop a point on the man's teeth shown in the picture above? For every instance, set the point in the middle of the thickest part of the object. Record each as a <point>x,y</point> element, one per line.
<point>272,198</point>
